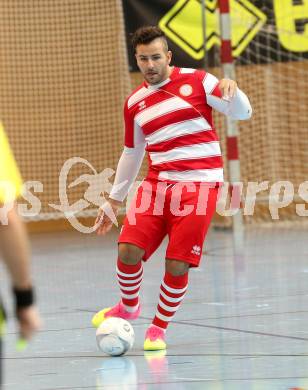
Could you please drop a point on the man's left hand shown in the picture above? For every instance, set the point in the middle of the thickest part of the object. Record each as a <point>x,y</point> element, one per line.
<point>228,88</point>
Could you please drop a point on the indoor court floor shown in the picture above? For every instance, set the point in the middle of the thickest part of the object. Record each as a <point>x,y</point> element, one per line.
<point>242,325</point>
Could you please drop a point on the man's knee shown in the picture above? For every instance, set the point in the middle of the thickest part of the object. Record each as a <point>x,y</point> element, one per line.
<point>130,254</point>
<point>176,267</point>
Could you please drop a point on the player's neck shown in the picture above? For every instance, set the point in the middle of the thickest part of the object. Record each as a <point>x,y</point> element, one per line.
<point>170,71</point>
<point>168,74</point>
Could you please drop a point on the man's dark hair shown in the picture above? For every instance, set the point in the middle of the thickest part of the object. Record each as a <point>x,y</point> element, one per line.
<point>147,34</point>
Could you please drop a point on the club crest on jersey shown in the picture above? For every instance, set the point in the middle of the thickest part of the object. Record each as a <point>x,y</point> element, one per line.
<point>186,90</point>
<point>142,105</point>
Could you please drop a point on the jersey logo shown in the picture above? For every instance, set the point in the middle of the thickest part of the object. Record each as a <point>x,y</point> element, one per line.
<point>196,250</point>
<point>186,90</point>
<point>142,105</point>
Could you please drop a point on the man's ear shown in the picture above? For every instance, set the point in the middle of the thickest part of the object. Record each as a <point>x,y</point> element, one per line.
<point>170,56</point>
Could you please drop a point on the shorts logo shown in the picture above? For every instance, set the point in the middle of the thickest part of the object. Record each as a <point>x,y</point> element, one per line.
<point>196,250</point>
<point>186,90</point>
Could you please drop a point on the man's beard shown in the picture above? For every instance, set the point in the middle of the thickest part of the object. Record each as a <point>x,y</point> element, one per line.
<point>154,78</point>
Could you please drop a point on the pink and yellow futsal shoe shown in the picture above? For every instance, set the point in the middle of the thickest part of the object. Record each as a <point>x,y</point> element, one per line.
<point>115,311</point>
<point>154,339</point>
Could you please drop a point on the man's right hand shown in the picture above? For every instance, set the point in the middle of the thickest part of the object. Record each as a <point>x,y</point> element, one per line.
<point>29,321</point>
<point>102,220</point>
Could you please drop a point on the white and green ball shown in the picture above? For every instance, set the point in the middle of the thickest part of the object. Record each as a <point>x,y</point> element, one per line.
<point>115,336</point>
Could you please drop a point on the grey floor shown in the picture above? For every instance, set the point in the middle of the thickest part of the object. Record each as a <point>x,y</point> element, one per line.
<point>243,323</point>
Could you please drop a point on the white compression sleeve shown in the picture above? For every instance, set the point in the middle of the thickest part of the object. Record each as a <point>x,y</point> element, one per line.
<point>237,108</point>
<point>127,171</point>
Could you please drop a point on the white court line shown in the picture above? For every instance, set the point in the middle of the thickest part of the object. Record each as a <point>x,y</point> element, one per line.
<point>195,379</point>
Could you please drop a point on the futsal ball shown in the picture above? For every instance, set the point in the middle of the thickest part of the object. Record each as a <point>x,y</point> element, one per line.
<point>115,336</point>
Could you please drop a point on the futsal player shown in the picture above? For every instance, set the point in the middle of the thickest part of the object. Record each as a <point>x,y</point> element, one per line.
<point>170,116</point>
<point>14,247</point>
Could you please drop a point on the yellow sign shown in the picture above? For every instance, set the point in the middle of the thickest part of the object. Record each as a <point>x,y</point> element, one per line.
<point>292,24</point>
<point>183,25</point>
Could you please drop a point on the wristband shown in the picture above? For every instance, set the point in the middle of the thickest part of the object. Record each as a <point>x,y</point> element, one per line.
<point>23,297</point>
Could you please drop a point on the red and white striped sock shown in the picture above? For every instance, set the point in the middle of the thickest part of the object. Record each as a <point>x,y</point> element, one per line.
<point>129,278</point>
<point>172,291</point>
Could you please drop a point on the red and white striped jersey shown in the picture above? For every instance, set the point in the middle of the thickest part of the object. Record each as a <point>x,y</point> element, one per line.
<point>175,121</point>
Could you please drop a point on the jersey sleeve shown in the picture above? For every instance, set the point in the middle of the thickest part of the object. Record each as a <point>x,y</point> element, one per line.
<point>237,108</point>
<point>129,127</point>
<point>210,84</point>
<point>127,171</point>
<point>134,135</point>
<point>131,158</point>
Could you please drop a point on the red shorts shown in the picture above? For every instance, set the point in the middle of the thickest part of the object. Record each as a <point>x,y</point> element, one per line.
<point>183,211</point>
